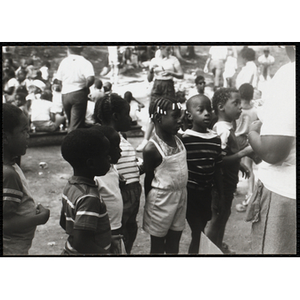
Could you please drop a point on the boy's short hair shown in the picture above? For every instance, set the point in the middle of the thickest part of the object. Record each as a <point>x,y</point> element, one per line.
<point>246,91</point>
<point>82,144</point>
<point>199,78</point>
<point>248,54</point>
<point>98,84</point>
<point>11,117</point>
<point>221,96</point>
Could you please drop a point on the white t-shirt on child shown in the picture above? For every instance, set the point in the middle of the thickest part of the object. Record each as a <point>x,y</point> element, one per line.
<point>108,186</point>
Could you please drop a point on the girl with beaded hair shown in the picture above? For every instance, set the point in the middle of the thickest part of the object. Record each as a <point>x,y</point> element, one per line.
<point>166,177</point>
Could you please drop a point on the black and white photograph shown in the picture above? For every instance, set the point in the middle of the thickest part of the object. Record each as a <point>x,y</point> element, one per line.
<point>149,149</point>
<point>202,97</point>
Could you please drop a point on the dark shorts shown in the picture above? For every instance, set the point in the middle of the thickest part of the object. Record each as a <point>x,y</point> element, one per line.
<point>199,205</point>
<point>162,88</point>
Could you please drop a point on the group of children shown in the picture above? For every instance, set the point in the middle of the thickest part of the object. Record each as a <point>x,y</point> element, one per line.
<point>192,175</point>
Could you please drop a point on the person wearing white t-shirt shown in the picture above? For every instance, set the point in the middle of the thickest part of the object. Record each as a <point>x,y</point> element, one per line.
<point>163,68</point>
<point>265,62</point>
<point>272,210</point>
<point>76,75</point>
<point>215,63</point>
<point>249,73</point>
<point>41,116</point>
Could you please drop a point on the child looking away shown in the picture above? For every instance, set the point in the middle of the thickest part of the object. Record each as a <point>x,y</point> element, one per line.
<point>20,213</point>
<point>166,178</point>
<point>83,215</point>
<point>227,107</point>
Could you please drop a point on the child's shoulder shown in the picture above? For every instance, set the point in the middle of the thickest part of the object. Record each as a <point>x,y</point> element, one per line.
<point>11,177</point>
<point>222,126</point>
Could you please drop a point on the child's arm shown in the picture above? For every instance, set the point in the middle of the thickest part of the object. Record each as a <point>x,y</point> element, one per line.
<point>227,160</point>
<point>270,148</point>
<point>152,159</point>
<point>16,223</point>
<point>84,242</point>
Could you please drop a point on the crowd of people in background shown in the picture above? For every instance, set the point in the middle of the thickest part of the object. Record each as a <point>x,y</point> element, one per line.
<point>203,136</point>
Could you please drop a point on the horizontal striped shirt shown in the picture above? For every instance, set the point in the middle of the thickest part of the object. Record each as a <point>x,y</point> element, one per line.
<point>83,209</point>
<point>17,202</point>
<point>127,164</point>
<point>203,154</point>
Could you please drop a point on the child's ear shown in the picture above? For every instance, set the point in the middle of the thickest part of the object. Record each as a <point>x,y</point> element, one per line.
<point>189,116</point>
<point>221,107</point>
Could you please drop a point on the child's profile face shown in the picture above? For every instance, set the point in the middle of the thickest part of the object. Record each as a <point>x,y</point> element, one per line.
<point>114,150</point>
<point>17,141</point>
<point>232,107</point>
<point>171,122</point>
<point>200,113</point>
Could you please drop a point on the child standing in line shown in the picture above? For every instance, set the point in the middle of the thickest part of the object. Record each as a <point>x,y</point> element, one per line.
<point>227,106</point>
<point>108,186</point>
<point>248,116</point>
<point>20,213</point>
<point>83,215</point>
<point>112,110</point>
<point>166,178</point>
<point>204,160</point>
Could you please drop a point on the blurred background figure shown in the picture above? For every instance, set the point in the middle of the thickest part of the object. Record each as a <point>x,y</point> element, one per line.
<point>215,63</point>
<point>265,62</point>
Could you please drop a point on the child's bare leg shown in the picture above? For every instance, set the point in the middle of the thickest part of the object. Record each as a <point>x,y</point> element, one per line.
<point>249,163</point>
<point>172,241</point>
<point>157,245</point>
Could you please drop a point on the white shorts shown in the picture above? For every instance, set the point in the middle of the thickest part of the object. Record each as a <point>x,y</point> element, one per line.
<point>164,210</point>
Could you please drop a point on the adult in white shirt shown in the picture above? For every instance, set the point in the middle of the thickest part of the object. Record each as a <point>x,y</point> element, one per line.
<point>163,68</point>
<point>248,73</point>
<point>272,210</point>
<point>76,75</point>
<point>215,63</point>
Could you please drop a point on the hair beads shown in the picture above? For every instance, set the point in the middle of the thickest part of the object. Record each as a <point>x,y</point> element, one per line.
<point>161,105</point>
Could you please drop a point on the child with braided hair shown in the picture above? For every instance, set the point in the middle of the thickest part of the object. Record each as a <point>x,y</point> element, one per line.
<point>166,176</point>
<point>112,110</point>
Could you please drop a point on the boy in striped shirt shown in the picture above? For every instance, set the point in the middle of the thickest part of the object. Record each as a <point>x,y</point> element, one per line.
<point>204,167</point>
<point>84,216</point>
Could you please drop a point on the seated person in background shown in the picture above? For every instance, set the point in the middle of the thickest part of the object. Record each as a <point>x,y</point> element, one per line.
<point>20,101</point>
<point>107,87</point>
<point>13,84</point>
<point>135,106</point>
<point>96,91</point>
<point>41,116</point>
